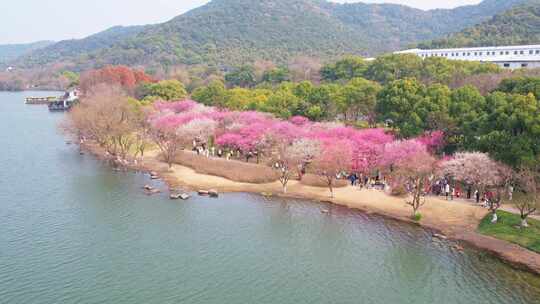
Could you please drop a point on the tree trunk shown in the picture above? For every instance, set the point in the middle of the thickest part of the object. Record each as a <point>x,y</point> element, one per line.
<point>524,223</point>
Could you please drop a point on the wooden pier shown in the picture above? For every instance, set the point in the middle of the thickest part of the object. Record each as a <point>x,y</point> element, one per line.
<point>40,100</point>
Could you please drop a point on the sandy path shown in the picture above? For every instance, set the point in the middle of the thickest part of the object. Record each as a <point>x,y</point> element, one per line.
<point>439,213</point>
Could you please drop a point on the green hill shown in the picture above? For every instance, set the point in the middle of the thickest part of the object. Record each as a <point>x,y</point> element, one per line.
<point>232,32</point>
<point>519,25</point>
<point>9,52</point>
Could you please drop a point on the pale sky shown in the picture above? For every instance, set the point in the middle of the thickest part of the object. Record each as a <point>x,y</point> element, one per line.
<point>32,20</point>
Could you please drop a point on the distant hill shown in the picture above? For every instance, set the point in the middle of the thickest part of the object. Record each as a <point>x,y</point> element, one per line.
<point>232,32</point>
<point>519,25</point>
<point>9,52</point>
<point>81,49</point>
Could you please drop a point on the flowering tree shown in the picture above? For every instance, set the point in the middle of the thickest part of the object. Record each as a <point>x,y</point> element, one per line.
<point>250,140</point>
<point>368,149</point>
<point>434,140</point>
<point>335,157</point>
<point>299,120</point>
<point>302,152</point>
<point>177,106</point>
<point>122,76</point>
<point>105,116</point>
<point>198,130</point>
<point>399,150</point>
<point>164,134</point>
<point>414,171</point>
<point>527,199</point>
<point>478,169</point>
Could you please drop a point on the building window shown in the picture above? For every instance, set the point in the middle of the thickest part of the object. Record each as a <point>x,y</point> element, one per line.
<point>515,52</point>
<point>502,53</point>
<point>537,52</point>
<point>521,52</point>
<point>507,65</point>
<point>524,65</point>
<point>507,53</point>
<point>480,53</point>
<point>531,52</point>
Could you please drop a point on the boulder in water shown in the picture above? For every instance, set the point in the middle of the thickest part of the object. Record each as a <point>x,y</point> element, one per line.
<point>153,191</point>
<point>213,193</point>
<point>179,195</point>
<point>440,236</point>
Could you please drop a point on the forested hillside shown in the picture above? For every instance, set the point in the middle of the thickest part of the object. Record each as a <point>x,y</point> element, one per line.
<point>232,32</point>
<point>520,25</point>
<point>80,50</point>
<point>10,52</point>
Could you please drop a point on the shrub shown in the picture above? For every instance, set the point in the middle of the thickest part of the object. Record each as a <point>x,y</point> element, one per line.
<point>398,190</point>
<point>317,181</point>
<point>417,217</point>
<point>233,170</point>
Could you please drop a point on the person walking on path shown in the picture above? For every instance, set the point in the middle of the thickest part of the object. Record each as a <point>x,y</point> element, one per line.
<point>447,190</point>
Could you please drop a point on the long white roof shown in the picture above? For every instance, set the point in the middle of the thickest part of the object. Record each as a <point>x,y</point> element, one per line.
<point>490,54</point>
<point>480,49</point>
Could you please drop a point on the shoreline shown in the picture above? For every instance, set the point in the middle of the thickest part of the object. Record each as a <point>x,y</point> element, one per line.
<point>456,220</point>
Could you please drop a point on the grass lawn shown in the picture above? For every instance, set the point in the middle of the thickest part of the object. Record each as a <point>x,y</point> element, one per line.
<point>507,228</point>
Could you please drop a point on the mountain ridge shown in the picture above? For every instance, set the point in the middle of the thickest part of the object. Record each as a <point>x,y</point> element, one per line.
<point>234,32</point>
<point>12,51</point>
<point>518,25</point>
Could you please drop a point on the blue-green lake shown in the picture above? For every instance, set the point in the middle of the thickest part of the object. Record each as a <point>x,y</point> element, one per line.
<point>75,231</point>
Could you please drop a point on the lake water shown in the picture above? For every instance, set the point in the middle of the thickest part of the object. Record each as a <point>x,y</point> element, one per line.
<point>74,231</point>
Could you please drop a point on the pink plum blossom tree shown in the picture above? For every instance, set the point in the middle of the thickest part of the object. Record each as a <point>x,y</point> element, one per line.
<point>478,169</point>
<point>335,158</point>
<point>303,151</point>
<point>165,136</point>
<point>414,171</point>
<point>527,198</point>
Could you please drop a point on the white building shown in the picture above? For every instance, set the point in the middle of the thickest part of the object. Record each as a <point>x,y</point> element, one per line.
<point>511,57</point>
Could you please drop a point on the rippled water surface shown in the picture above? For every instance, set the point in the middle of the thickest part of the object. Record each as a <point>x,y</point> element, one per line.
<point>74,231</point>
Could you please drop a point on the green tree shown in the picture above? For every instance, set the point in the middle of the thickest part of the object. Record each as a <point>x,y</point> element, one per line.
<point>358,99</point>
<point>166,89</point>
<point>510,128</point>
<point>413,108</point>
<point>72,77</point>
<point>283,104</point>
<point>388,68</point>
<point>242,77</point>
<point>344,69</point>
<point>521,85</point>
<point>214,94</point>
<point>276,75</point>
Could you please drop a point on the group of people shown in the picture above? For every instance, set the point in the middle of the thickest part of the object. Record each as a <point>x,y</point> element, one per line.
<point>444,188</point>
<point>366,181</point>
<point>202,149</point>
